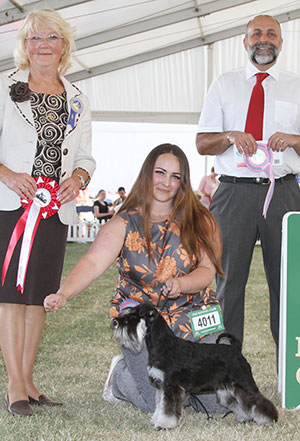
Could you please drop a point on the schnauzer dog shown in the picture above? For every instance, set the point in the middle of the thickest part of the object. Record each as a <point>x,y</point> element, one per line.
<point>177,367</point>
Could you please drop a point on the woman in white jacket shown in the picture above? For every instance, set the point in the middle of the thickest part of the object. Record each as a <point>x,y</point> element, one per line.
<point>45,140</point>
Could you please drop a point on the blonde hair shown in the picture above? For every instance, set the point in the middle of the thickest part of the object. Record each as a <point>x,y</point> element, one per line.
<point>34,20</point>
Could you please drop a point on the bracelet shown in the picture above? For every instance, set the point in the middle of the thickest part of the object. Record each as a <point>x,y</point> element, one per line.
<point>228,138</point>
<point>84,183</point>
<point>81,180</point>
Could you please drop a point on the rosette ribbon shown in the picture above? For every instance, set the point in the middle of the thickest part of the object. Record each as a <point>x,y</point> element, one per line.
<point>262,161</point>
<point>76,107</point>
<point>43,206</point>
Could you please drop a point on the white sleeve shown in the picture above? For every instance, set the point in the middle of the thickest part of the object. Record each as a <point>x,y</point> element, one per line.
<point>211,118</point>
<point>1,102</point>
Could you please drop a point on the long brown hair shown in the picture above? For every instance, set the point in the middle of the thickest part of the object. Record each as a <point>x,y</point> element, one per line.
<point>198,229</point>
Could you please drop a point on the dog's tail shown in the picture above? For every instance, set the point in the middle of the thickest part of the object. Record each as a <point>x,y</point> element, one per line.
<point>228,339</point>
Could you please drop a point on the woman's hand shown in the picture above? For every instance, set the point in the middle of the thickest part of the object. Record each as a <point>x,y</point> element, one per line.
<point>172,288</point>
<point>54,302</point>
<point>198,279</point>
<point>68,190</point>
<point>21,183</point>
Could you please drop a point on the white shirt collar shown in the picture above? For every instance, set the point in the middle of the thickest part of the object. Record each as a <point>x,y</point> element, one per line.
<point>251,70</point>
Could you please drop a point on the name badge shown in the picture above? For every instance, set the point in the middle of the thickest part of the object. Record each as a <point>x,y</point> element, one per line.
<point>206,321</point>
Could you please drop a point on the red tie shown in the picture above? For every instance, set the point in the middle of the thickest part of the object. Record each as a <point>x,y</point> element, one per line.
<point>255,115</point>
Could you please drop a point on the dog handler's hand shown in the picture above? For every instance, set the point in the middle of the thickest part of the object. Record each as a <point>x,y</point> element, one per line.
<point>172,288</point>
<point>54,302</point>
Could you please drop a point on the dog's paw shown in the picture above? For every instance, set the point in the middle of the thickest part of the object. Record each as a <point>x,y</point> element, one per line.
<point>164,428</point>
<point>164,421</point>
<point>242,418</point>
<point>263,420</point>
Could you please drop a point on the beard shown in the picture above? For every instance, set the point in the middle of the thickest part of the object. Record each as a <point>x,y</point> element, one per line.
<point>266,57</point>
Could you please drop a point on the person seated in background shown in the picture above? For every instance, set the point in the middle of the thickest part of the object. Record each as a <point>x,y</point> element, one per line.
<point>121,198</point>
<point>101,208</point>
<point>84,205</point>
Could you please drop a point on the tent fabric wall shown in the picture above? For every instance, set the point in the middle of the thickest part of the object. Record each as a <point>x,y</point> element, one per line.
<point>178,83</point>
<point>169,84</point>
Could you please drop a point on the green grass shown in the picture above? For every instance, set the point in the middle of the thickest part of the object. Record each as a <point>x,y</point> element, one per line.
<point>73,363</point>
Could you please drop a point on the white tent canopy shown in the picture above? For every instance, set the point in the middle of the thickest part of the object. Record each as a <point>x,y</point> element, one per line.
<point>152,60</point>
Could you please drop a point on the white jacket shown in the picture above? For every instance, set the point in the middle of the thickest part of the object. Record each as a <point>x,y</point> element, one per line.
<point>18,141</point>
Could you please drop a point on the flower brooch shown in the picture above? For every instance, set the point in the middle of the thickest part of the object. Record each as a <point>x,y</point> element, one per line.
<point>19,92</point>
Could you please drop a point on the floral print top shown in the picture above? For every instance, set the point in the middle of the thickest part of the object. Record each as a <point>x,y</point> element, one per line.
<point>141,280</point>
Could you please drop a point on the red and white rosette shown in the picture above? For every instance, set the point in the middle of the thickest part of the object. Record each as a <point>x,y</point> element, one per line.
<point>43,206</point>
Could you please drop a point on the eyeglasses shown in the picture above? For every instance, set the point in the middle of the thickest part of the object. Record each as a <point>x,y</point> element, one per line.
<point>37,39</point>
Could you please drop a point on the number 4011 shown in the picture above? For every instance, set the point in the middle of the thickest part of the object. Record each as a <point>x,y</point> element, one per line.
<point>208,320</point>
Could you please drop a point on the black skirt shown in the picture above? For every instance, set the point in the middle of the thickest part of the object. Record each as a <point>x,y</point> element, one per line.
<point>45,263</point>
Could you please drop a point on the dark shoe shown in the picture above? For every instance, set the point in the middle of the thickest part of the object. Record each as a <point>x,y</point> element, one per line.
<point>19,408</point>
<point>43,401</point>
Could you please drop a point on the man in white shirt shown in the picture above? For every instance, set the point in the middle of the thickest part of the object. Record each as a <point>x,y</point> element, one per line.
<point>238,203</point>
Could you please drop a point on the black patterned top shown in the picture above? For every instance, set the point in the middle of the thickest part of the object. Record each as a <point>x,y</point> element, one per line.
<point>50,114</point>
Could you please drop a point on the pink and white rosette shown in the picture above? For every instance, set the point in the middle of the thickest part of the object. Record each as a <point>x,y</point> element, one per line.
<point>43,206</point>
<point>262,161</point>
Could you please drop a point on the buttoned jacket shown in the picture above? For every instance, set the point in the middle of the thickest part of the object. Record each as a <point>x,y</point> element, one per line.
<point>18,141</point>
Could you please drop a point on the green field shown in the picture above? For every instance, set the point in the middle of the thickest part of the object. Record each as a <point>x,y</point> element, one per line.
<point>73,363</point>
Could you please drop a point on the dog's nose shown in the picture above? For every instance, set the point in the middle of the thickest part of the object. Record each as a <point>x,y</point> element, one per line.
<point>114,324</point>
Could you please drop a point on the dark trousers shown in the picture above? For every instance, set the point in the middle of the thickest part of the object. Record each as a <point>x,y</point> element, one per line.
<point>238,208</point>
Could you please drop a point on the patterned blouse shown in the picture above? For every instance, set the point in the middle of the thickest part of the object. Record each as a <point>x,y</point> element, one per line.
<point>141,280</point>
<point>50,114</point>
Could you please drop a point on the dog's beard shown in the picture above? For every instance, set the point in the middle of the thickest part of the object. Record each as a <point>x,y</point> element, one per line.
<point>132,339</point>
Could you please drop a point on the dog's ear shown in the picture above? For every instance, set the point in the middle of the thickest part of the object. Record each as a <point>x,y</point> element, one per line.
<point>146,310</point>
<point>142,309</point>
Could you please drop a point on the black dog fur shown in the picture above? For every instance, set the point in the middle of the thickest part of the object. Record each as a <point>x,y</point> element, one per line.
<point>177,367</point>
